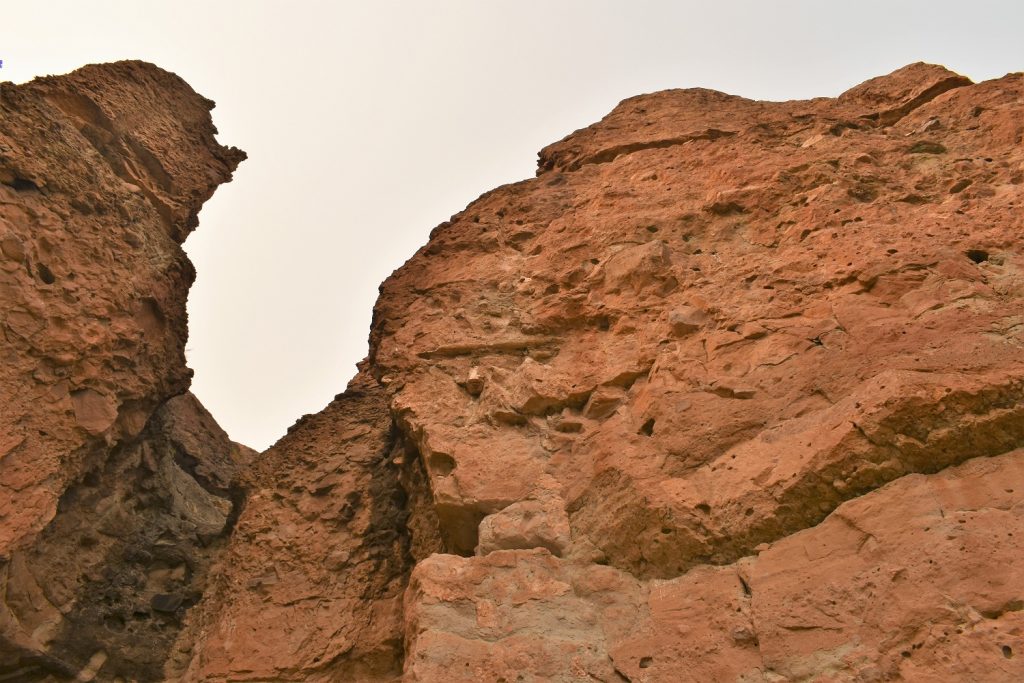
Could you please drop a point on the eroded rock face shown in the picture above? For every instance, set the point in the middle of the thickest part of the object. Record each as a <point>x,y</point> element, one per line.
<point>704,325</point>
<point>730,391</point>
<point>703,342</point>
<point>311,586</point>
<point>115,484</point>
<point>916,581</point>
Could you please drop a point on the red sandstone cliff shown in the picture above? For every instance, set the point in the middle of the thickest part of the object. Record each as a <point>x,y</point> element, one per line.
<point>730,391</point>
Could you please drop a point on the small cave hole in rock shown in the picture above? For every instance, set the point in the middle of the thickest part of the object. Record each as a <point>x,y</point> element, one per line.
<point>1007,651</point>
<point>647,428</point>
<point>114,622</point>
<point>165,602</point>
<point>442,464</point>
<point>399,498</point>
<point>704,508</point>
<point>646,662</point>
<point>45,274</point>
<point>23,185</point>
<point>977,255</point>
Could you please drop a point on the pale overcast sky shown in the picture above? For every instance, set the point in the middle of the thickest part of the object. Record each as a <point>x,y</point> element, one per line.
<point>368,123</point>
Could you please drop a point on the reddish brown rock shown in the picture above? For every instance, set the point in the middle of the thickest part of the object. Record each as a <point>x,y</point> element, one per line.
<point>701,401</point>
<point>311,586</point>
<point>784,332</point>
<point>515,614</point>
<point>731,390</point>
<point>115,485</point>
<point>707,323</point>
<point>915,581</point>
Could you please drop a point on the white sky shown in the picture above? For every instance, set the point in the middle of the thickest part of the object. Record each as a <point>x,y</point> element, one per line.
<point>367,123</point>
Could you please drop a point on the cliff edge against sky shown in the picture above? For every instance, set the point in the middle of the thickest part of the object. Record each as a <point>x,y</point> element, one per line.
<point>730,391</point>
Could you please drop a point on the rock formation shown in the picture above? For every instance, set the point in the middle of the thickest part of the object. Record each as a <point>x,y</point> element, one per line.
<point>116,487</point>
<point>730,391</point>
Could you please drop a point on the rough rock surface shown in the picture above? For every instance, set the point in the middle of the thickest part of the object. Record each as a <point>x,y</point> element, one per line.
<point>312,584</point>
<point>731,390</point>
<point>115,484</point>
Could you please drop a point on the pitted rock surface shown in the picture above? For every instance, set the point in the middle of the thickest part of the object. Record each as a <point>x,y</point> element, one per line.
<point>115,484</point>
<point>706,324</point>
<point>729,391</point>
<point>311,586</point>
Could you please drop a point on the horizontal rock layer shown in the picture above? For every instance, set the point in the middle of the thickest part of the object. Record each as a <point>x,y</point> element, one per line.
<point>916,581</point>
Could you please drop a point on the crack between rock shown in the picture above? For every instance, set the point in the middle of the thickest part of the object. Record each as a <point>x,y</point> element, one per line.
<point>729,548</point>
<point>752,614</point>
<point>893,116</point>
<point>612,153</point>
<point>837,513</point>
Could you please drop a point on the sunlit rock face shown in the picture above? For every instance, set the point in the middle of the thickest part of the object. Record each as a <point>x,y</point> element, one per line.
<point>116,486</point>
<point>730,391</point>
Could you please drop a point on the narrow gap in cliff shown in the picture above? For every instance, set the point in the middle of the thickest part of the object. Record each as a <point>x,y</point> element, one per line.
<point>432,527</point>
<point>421,529</point>
<point>234,494</point>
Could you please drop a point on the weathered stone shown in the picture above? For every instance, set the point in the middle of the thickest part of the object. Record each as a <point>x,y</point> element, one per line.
<point>686,319</point>
<point>747,331</point>
<point>310,587</point>
<point>474,382</point>
<point>101,507</point>
<point>731,391</point>
<point>165,602</point>
<point>537,523</point>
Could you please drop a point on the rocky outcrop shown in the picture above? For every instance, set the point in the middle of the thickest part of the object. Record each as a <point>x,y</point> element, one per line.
<point>730,391</point>
<point>311,587</point>
<point>115,484</point>
<point>916,581</point>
